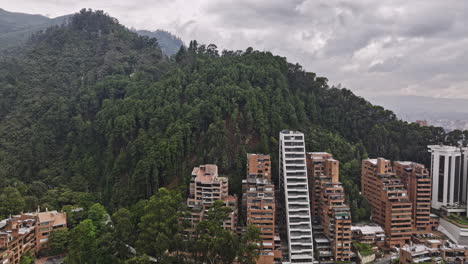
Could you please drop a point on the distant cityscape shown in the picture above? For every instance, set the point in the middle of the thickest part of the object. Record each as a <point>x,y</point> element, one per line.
<point>448,113</point>
<point>446,124</point>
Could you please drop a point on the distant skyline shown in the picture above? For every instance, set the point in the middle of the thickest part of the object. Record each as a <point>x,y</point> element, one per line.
<point>370,47</point>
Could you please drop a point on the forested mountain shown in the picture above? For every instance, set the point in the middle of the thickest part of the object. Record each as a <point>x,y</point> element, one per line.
<point>168,43</point>
<point>92,112</point>
<point>10,21</point>
<point>17,28</point>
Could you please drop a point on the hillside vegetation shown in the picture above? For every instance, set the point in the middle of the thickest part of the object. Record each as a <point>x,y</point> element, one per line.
<point>92,112</point>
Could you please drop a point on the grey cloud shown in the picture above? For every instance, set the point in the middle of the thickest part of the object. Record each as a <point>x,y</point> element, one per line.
<point>388,46</point>
<point>387,65</point>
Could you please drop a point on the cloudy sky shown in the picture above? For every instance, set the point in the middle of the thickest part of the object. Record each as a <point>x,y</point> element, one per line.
<point>397,47</point>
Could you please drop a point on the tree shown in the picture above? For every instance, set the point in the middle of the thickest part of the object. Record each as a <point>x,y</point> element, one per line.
<point>97,213</point>
<point>144,259</point>
<point>106,249</point>
<point>249,245</point>
<point>214,244</point>
<point>82,243</point>
<point>11,202</point>
<point>27,258</point>
<point>58,242</point>
<point>123,232</point>
<point>161,225</point>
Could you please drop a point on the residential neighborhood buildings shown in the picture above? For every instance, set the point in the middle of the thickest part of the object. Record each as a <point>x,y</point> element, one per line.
<point>259,206</point>
<point>28,232</point>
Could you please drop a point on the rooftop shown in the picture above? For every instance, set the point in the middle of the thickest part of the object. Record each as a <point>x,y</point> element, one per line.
<point>291,132</point>
<point>261,156</point>
<point>405,163</point>
<point>444,148</point>
<point>230,198</point>
<point>322,240</point>
<point>52,216</point>
<point>318,153</point>
<point>205,173</point>
<point>418,248</point>
<point>367,229</point>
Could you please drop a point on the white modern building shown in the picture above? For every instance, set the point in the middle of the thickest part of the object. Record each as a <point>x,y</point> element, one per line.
<point>449,178</point>
<point>294,192</point>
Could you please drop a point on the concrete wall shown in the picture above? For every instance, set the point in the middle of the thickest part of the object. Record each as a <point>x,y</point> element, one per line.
<point>457,234</point>
<point>366,259</point>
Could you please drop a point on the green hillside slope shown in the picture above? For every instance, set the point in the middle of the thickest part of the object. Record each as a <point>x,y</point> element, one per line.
<point>93,111</point>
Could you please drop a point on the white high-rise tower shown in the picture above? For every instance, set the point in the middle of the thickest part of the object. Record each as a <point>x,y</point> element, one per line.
<point>294,191</point>
<point>449,166</point>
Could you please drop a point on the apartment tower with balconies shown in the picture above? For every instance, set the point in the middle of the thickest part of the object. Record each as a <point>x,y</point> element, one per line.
<point>206,187</point>
<point>388,199</point>
<point>259,207</point>
<point>328,206</point>
<point>294,197</point>
<point>417,181</point>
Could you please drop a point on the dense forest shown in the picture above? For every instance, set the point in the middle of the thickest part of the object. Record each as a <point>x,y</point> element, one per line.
<point>91,113</point>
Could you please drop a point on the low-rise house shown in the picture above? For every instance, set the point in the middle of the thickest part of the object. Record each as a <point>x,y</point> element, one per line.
<point>453,253</point>
<point>419,253</point>
<point>432,251</point>
<point>368,234</point>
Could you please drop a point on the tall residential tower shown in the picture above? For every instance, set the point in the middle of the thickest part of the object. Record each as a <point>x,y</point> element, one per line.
<point>449,166</point>
<point>329,208</point>
<point>388,199</point>
<point>294,189</point>
<point>206,187</point>
<point>258,204</point>
<point>416,179</point>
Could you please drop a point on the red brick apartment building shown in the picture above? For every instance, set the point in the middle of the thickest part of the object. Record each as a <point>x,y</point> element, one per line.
<point>206,187</point>
<point>47,222</point>
<point>328,205</point>
<point>418,184</point>
<point>258,205</point>
<point>388,199</point>
<point>321,167</point>
<point>27,232</point>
